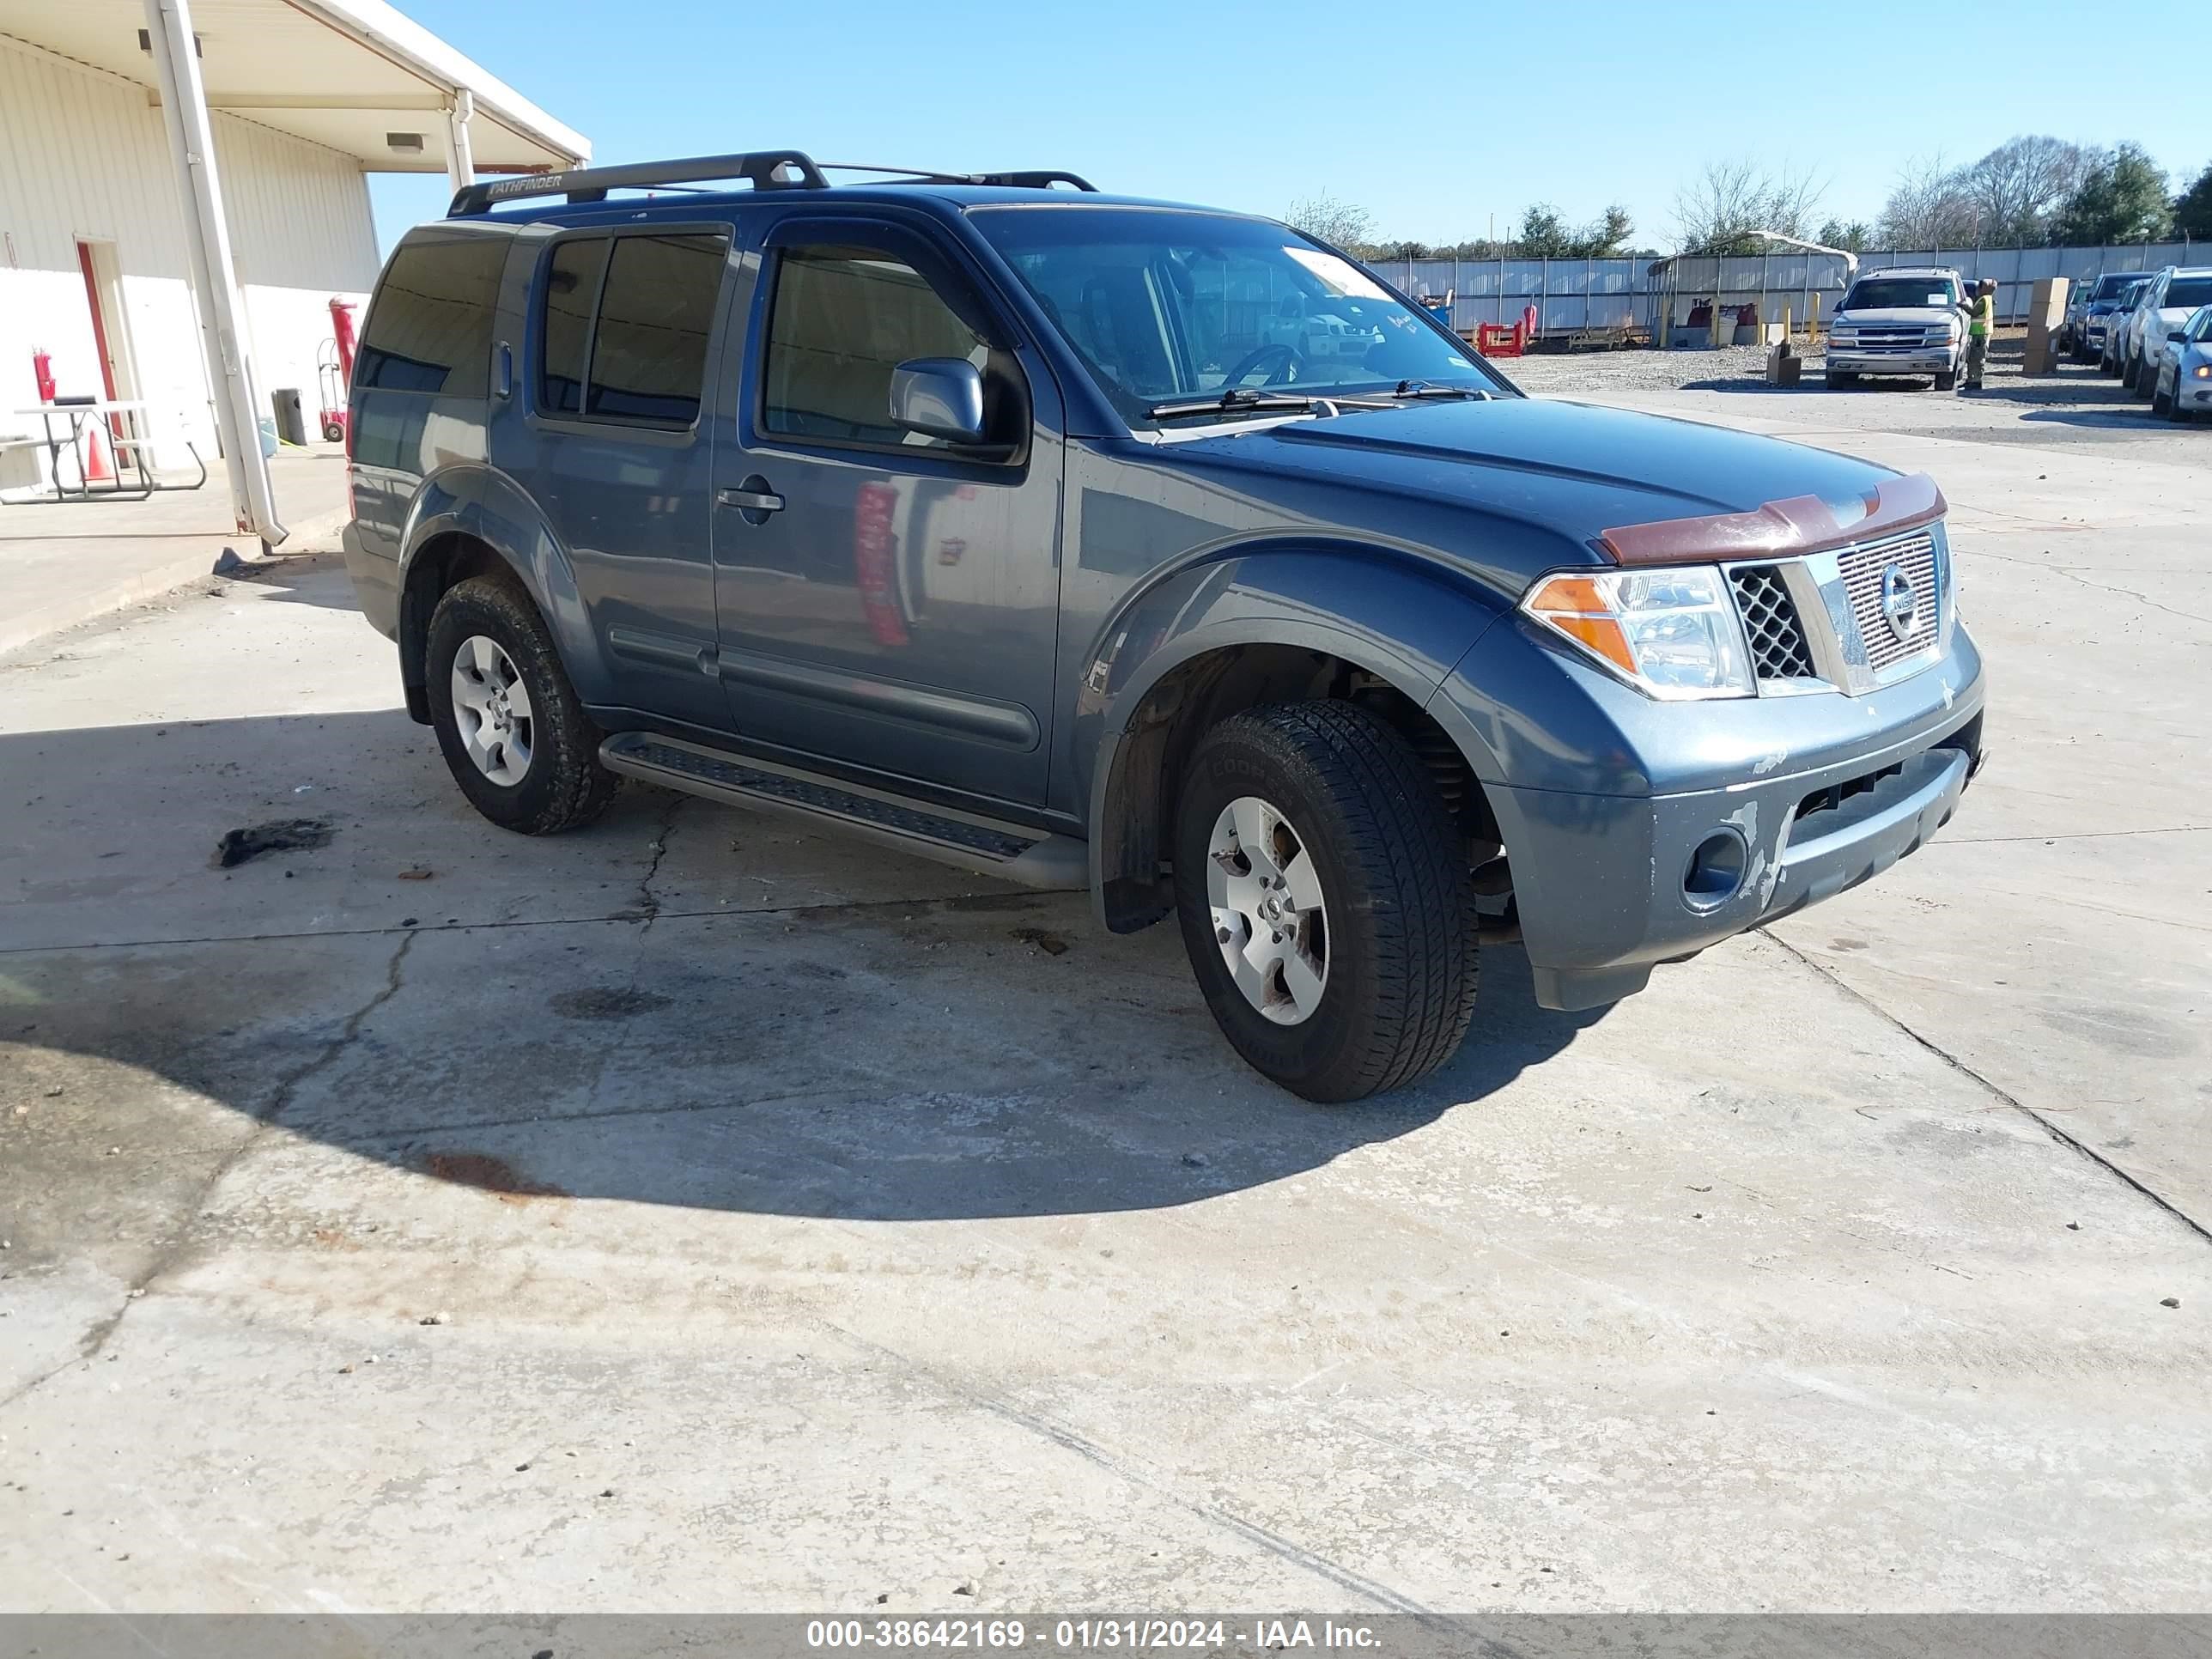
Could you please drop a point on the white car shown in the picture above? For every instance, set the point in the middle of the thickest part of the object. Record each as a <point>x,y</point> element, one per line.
<point>2163,306</point>
<point>2182,387</point>
<point>1904,321</point>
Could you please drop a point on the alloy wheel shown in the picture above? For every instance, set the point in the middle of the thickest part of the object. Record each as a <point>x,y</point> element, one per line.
<point>1269,916</point>
<point>491,708</point>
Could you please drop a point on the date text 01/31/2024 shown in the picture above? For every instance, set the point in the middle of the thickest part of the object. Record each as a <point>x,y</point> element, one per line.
<point>1088,1634</point>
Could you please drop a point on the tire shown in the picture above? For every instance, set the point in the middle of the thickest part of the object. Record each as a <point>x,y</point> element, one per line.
<point>2138,378</point>
<point>2162,403</point>
<point>1947,381</point>
<point>558,783</point>
<point>1840,379</point>
<point>1394,917</point>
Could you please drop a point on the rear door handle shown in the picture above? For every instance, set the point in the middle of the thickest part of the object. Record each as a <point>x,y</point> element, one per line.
<point>751,501</point>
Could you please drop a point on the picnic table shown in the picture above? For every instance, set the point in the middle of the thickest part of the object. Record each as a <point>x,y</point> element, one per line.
<point>66,426</point>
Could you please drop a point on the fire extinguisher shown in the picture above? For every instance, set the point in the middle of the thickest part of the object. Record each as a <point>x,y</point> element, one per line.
<point>42,369</point>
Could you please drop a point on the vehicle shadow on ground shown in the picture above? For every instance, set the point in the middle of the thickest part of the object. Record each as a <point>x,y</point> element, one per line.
<point>684,1005</point>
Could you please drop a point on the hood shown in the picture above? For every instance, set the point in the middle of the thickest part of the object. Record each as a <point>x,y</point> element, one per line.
<point>1893,317</point>
<point>1540,473</point>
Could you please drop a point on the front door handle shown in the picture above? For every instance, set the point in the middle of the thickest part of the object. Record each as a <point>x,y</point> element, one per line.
<point>753,498</point>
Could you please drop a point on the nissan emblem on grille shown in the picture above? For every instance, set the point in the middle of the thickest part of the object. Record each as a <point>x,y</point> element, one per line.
<point>1900,605</point>
<point>1891,588</point>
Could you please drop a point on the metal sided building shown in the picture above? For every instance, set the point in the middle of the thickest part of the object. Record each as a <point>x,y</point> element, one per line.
<point>175,220</point>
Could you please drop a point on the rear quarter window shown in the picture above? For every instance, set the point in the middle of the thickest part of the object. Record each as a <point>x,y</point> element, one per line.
<point>430,323</point>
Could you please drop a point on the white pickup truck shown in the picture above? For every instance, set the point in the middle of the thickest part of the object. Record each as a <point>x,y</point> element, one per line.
<point>1900,322</point>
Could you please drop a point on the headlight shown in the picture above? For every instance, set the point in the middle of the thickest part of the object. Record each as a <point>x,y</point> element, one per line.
<point>1671,633</point>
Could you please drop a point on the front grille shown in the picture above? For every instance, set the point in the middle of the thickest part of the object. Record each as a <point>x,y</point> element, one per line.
<point>1864,571</point>
<point>1778,650</point>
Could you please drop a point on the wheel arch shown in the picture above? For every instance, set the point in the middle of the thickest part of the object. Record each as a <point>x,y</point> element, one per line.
<point>1246,630</point>
<point>474,522</point>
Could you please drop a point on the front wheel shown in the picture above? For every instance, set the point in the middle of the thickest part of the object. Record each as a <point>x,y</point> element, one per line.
<point>514,735</point>
<point>1946,379</point>
<point>1325,900</point>
<point>1840,380</point>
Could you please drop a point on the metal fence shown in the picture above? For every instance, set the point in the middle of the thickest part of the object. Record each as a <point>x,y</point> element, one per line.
<point>1572,295</point>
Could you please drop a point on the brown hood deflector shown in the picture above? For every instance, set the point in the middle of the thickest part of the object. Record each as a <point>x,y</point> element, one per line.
<point>1804,524</point>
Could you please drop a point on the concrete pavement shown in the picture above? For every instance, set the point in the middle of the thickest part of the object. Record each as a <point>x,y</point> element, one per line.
<point>65,563</point>
<point>807,1227</point>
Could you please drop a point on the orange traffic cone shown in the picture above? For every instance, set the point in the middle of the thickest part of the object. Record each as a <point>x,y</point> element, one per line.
<point>96,469</point>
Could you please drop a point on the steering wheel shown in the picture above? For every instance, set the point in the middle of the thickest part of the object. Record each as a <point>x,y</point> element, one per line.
<point>1284,371</point>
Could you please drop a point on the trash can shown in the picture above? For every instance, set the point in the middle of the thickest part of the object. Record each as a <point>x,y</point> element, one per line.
<point>291,419</point>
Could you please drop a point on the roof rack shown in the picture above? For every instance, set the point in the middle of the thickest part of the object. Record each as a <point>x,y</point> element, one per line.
<point>766,169</point>
<point>1034,178</point>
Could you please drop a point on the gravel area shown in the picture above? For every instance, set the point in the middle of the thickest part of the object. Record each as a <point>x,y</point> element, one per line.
<point>1563,374</point>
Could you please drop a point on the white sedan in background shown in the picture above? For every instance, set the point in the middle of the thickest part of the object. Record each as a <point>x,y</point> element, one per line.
<point>2183,385</point>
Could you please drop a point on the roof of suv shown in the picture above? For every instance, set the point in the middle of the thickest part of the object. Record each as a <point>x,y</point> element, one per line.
<point>1909,270</point>
<point>783,173</point>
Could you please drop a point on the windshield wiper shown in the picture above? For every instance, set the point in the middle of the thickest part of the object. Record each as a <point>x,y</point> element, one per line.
<point>1431,389</point>
<point>1236,401</point>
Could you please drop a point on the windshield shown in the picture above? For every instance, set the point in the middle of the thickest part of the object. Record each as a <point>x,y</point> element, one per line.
<point>2118,288</point>
<point>1902,293</point>
<point>2187,292</point>
<point>1166,305</point>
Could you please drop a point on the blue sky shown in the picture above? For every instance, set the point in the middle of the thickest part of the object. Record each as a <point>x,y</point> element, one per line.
<point>1433,121</point>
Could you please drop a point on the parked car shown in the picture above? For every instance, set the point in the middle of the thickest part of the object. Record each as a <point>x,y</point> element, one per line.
<point>989,520</point>
<point>2162,306</point>
<point>2092,305</point>
<point>1908,321</point>
<point>2182,387</point>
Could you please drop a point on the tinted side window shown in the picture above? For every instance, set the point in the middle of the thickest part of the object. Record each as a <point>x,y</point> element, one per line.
<point>429,328</point>
<point>571,286</point>
<point>656,310</point>
<point>843,317</point>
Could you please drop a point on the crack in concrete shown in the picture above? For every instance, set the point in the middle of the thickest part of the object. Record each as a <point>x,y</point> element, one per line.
<point>1015,900</point>
<point>2074,572</point>
<point>648,902</point>
<point>2078,835</point>
<point>2072,1142</point>
<point>98,1335</point>
<point>1274,1543</point>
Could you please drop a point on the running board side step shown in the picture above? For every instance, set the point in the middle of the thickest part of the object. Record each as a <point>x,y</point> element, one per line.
<point>1009,852</point>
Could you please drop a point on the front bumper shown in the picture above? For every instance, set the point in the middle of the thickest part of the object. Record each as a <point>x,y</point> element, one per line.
<point>2193,396</point>
<point>1602,883</point>
<point>1926,360</point>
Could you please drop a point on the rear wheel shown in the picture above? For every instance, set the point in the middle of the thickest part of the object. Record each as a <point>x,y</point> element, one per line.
<point>1325,900</point>
<point>514,735</point>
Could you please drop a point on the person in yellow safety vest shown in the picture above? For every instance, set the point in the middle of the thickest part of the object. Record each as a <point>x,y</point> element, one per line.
<point>1981,323</point>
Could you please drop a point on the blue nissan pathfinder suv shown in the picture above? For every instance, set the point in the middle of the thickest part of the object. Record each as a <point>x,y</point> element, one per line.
<point>1164,551</point>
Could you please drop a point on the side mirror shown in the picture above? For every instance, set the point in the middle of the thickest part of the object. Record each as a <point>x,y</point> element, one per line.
<point>939,397</point>
<point>2176,334</point>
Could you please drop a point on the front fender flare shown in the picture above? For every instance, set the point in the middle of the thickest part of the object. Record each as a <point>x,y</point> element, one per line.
<point>1405,623</point>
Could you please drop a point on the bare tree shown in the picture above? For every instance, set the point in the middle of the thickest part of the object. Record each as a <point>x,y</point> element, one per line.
<point>2016,190</point>
<point>1927,208</point>
<point>1340,224</point>
<point>1717,211</point>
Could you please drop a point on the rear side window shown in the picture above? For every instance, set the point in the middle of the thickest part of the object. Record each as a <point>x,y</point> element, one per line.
<point>429,328</point>
<point>572,290</point>
<point>623,326</point>
<point>844,317</point>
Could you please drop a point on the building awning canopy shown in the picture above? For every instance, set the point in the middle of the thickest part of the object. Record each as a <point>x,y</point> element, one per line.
<point>354,76</point>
